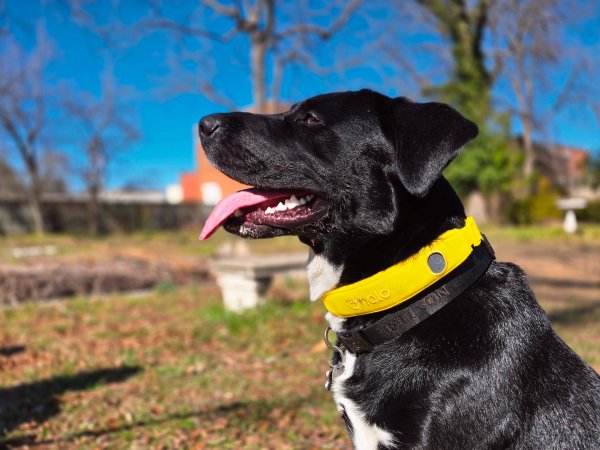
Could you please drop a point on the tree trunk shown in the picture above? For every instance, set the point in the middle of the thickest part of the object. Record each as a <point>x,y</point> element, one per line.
<point>261,38</point>
<point>94,224</point>
<point>34,193</point>
<point>471,84</point>
<point>35,208</point>
<point>258,53</point>
<point>494,206</point>
<point>471,72</point>
<point>528,164</point>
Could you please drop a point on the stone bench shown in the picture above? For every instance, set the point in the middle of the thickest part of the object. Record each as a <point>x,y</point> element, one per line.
<point>244,280</point>
<point>570,205</point>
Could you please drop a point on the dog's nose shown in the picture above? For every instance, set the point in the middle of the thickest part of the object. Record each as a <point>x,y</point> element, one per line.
<point>209,124</point>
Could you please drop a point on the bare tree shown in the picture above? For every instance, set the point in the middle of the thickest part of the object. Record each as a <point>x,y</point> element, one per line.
<point>272,46</point>
<point>108,128</point>
<point>24,111</point>
<point>528,37</point>
<point>462,27</point>
<point>54,171</point>
<point>485,44</point>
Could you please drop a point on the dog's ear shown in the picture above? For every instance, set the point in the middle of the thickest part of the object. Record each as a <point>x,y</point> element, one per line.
<point>428,136</point>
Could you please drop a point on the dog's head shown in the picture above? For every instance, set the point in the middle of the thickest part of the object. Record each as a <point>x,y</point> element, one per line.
<point>342,164</point>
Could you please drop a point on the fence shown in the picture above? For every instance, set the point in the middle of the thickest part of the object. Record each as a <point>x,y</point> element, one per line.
<point>70,215</point>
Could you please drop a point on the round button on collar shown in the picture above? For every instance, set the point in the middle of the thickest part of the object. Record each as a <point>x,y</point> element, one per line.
<point>436,262</point>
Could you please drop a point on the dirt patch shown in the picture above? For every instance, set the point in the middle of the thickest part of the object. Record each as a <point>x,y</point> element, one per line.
<point>49,281</point>
<point>558,271</point>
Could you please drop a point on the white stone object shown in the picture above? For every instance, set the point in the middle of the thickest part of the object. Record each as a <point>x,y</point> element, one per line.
<point>244,280</point>
<point>571,203</point>
<point>241,293</point>
<point>570,223</point>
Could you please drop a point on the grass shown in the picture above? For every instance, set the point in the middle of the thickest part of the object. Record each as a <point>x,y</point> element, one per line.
<point>172,369</point>
<point>538,233</point>
<point>168,370</point>
<point>175,245</point>
<point>153,245</point>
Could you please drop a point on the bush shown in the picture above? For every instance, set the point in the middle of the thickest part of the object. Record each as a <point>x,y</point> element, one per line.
<point>537,208</point>
<point>591,213</point>
<point>543,207</point>
<point>518,212</point>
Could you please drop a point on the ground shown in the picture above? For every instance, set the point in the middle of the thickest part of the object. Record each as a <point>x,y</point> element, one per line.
<point>170,369</point>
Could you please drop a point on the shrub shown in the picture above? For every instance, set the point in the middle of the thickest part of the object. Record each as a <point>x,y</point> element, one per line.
<point>537,208</point>
<point>518,211</point>
<point>591,213</point>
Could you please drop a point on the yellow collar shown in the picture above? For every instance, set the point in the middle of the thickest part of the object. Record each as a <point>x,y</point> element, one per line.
<point>406,279</point>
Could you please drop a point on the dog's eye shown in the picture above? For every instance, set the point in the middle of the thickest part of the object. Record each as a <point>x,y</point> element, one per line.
<point>310,119</point>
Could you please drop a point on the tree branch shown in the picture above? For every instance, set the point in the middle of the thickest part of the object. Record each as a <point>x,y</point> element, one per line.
<point>170,25</point>
<point>322,32</point>
<point>229,11</point>
<point>421,81</point>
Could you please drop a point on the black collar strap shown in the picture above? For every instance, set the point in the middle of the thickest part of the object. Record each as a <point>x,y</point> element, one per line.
<point>400,320</point>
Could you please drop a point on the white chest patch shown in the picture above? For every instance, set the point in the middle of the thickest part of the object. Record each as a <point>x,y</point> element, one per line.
<point>365,436</point>
<point>322,275</point>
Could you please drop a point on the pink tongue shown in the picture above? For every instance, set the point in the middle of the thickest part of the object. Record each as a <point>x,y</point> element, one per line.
<point>241,199</point>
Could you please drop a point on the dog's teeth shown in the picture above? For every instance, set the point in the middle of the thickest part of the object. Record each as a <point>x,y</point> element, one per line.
<point>309,197</point>
<point>237,213</point>
<point>291,203</point>
<point>303,201</point>
<point>280,207</point>
<point>294,199</point>
<point>270,210</point>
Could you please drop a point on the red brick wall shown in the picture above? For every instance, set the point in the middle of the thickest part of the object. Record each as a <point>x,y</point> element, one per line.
<point>190,186</point>
<point>191,182</point>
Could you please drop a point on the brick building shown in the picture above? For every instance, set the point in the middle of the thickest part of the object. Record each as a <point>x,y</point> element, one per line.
<point>565,166</point>
<point>206,184</point>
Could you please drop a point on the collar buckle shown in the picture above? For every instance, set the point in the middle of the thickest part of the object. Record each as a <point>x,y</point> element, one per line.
<point>355,341</point>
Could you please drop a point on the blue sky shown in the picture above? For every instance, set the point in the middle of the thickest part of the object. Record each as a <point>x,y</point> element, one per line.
<point>166,117</point>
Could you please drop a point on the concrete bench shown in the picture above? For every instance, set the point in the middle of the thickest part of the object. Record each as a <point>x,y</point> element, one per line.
<point>570,205</point>
<point>244,280</point>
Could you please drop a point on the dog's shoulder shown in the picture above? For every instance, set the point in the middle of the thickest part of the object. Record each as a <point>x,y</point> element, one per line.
<point>504,291</point>
<point>498,343</point>
<point>560,392</point>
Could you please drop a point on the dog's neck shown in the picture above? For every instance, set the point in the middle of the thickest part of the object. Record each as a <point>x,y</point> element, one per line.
<point>323,275</point>
<point>339,261</point>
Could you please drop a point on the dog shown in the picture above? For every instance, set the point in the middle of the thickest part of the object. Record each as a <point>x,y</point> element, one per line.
<point>357,176</point>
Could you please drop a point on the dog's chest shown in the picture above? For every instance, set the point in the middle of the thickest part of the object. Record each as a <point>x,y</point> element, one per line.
<point>365,435</point>
<point>323,276</point>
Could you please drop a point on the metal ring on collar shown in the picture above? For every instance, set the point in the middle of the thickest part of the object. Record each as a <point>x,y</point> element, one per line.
<point>330,346</point>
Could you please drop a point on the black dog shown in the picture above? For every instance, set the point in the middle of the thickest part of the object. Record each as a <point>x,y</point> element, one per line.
<point>486,371</point>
